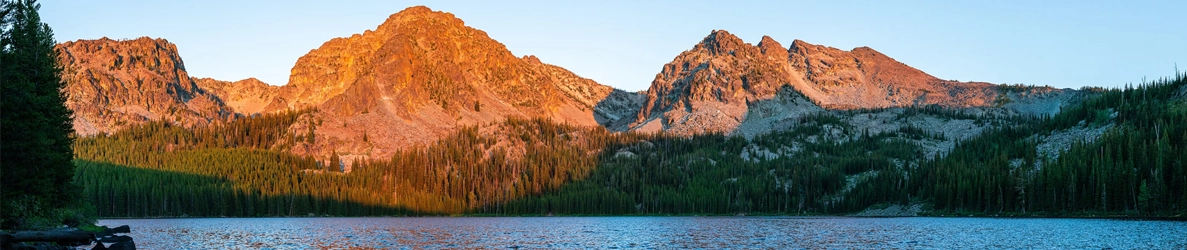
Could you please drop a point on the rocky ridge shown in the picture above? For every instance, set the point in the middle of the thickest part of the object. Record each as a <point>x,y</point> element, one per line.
<point>248,96</point>
<point>725,85</point>
<point>112,84</point>
<point>423,74</point>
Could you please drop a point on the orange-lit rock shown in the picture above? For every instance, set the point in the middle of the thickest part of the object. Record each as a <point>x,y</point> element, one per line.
<point>421,75</point>
<point>112,84</point>
<point>248,96</point>
<point>714,86</point>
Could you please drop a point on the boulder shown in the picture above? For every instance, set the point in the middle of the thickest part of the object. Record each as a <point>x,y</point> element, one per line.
<point>115,239</point>
<point>124,245</point>
<point>122,229</point>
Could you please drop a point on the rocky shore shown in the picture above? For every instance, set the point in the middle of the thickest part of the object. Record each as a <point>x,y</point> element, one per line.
<point>892,211</point>
<point>69,238</point>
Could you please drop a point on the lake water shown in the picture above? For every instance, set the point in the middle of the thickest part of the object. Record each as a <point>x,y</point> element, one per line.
<point>653,232</point>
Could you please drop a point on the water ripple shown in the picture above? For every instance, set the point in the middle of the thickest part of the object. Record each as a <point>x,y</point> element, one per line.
<point>653,233</point>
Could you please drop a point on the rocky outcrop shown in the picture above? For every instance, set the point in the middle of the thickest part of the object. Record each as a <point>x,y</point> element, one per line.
<point>618,109</point>
<point>709,88</point>
<point>421,75</point>
<point>246,97</point>
<point>865,78</point>
<point>115,83</point>
<point>715,86</point>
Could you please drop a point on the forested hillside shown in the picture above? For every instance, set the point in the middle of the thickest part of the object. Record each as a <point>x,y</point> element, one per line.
<point>1137,167</point>
<point>240,169</point>
<point>822,165</point>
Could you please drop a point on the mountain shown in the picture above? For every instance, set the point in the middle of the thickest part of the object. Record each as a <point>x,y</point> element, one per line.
<point>723,83</point>
<point>247,96</point>
<point>865,78</point>
<point>450,122</point>
<point>420,75</point>
<point>423,74</point>
<point>112,84</point>
<point>711,87</point>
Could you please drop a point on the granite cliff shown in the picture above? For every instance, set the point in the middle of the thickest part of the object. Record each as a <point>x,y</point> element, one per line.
<point>722,83</point>
<point>421,75</point>
<point>424,74</point>
<point>248,96</point>
<point>115,83</point>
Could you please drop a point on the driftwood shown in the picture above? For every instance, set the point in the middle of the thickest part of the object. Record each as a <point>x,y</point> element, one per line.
<point>52,236</point>
<point>114,239</point>
<point>70,238</point>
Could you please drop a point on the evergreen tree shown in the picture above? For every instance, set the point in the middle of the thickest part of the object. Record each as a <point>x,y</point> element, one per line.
<point>36,146</point>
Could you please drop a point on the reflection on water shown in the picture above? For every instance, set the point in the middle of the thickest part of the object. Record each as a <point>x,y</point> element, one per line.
<point>652,232</point>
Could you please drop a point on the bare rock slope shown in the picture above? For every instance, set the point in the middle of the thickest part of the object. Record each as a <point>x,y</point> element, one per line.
<point>116,83</point>
<point>725,85</point>
<point>421,75</point>
<point>247,96</point>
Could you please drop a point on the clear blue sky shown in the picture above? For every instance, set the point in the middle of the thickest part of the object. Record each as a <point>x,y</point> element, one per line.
<point>625,43</point>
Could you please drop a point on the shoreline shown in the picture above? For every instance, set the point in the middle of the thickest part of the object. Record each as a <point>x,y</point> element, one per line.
<point>1136,218</point>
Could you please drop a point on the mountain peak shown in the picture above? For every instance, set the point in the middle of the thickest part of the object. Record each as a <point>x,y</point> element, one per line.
<point>251,81</point>
<point>767,41</point>
<point>867,51</point>
<point>142,39</point>
<point>798,45</point>
<point>532,59</point>
<point>417,11</point>
<point>116,83</point>
<point>713,87</point>
<point>420,75</point>
<point>772,48</point>
<point>721,41</point>
<point>163,52</point>
<point>413,14</point>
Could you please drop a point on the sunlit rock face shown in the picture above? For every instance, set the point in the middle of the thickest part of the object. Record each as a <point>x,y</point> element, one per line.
<point>112,84</point>
<point>421,75</point>
<point>418,76</point>
<point>710,87</point>
<point>865,78</point>
<point>247,97</point>
<point>720,84</point>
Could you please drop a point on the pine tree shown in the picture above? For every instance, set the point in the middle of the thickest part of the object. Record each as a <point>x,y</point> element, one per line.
<point>36,151</point>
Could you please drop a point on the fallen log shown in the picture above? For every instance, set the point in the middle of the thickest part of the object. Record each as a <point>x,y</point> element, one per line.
<point>72,237</point>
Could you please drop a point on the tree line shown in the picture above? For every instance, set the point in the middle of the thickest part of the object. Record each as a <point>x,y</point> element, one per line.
<point>1136,167</point>
<point>536,166</point>
<point>36,191</point>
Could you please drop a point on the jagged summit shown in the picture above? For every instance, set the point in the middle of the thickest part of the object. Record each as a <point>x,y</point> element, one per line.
<point>422,14</point>
<point>772,48</point>
<point>712,87</point>
<point>721,42</point>
<point>866,78</point>
<point>116,83</point>
<point>248,96</point>
<point>708,88</point>
<point>421,75</point>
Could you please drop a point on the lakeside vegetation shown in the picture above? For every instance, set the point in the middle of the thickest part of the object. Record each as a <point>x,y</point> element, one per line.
<point>36,191</point>
<point>1137,167</point>
<point>536,167</point>
<point>820,165</point>
<point>450,176</point>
